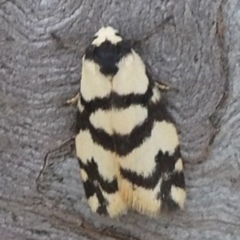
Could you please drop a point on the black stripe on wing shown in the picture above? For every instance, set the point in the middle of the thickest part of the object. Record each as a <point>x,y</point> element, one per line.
<point>165,164</point>
<point>96,183</point>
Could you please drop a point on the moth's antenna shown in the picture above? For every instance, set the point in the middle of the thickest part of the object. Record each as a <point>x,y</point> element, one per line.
<point>104,23</point>
<point>152,31</point>
<point>47,156</point>
<point>71,44</point>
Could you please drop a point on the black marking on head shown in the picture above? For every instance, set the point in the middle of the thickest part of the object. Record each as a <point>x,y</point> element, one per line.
<point>108,55</point>
<point>165,164</point>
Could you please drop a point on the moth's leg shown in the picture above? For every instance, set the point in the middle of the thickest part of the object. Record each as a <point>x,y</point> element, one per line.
<point>73,101</point>
<point>70,44</point>
<point>58,40</point>
<point>99,175</point>
<point>163,86</point>
<point>61,43</point>
<point>67,142</point>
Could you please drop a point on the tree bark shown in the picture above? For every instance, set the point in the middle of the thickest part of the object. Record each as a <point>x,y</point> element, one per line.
<point>195,49</point>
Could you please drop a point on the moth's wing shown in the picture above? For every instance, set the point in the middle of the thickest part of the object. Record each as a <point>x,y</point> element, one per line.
<point>98,169</point>
<point>102,194</point>
<point>168,160</point>
<point>152,173</point>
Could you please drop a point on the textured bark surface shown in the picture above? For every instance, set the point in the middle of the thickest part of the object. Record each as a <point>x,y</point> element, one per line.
<point>196,50</point>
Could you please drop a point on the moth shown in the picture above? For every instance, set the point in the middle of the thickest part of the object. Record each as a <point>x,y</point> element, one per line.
<point>127,144</point>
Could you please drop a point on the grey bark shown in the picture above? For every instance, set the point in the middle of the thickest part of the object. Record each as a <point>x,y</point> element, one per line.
<point>197,50</point>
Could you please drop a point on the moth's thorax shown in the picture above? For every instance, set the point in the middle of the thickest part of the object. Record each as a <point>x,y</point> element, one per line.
<point>96,84</point>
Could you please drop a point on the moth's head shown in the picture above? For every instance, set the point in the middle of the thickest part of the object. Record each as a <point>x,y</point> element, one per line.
<point>107,49</point>
<point>106,34</point>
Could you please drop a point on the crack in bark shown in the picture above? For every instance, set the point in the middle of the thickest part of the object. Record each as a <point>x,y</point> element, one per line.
<point>109,232</point>
<point>63,220</point>
<point>216,116</point>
